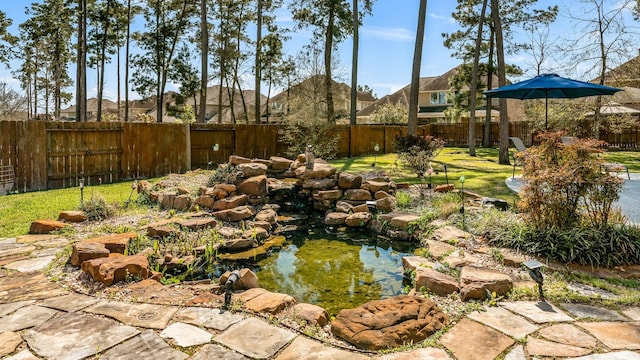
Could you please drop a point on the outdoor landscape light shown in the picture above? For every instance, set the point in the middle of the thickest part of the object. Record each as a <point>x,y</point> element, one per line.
<point>216,147</point>
<point>534,271</point>
<point>376,148</point>
<point>81,184</point>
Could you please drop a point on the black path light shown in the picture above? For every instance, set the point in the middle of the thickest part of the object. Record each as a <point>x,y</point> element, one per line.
<point>534,267</point>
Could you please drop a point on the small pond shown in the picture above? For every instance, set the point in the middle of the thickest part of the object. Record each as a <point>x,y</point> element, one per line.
<point>334,272</point>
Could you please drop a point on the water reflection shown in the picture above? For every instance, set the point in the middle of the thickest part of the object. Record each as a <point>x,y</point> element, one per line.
<point>333,273</point>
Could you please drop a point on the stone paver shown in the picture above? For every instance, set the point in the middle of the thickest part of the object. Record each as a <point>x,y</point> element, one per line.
<point>186,335</point>
<point>215,351</point>
<point>211,318</point>
<point>632,313</point>
<point>84,335</point>
<point>303,348</point>
<point>517,353</point>
<point>426,353</point>
<point>143,315</point>
<point>538,312</point>
<point>35,264</point>
<point>582,311</point>
<point>25,318</point>
<point>617,355</point>
<point>466,337</point>
<point>70,303</point>
<point>37,238</point>
<point>9,341</point>
<point>23,355</point>
<point>551,349</point>
<point>6,309</point>
<point>15,249</point>
<point>28,286</point>
<point>569,335</point>
<point>255,338</point>
<point>615,335</point>
<point>147,345</point>
<point>504,321</point>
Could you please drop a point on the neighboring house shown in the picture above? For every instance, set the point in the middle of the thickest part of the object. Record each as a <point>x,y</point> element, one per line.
<point>108,107</point>
<point>626,77</point>
<point>433,101</point>
<point>311,90</point>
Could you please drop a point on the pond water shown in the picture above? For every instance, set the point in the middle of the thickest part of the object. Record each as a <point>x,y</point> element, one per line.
<point>334,272</point>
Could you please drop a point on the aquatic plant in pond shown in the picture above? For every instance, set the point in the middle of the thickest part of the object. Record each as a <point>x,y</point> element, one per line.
<point>334,273</point>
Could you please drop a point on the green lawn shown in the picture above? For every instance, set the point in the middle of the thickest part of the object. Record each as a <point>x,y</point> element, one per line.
<point>483,175</point>
<point>18,211</point>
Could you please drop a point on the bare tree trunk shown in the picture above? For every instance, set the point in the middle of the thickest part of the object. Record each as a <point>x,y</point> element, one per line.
<point>486,139</point>
<point>126,66</point>
<point>412,124</point>
<point>503,156</point>
<point>258,65</point>
<point>474,83</point>
<point>328,47</point>
<point>81,63</point>
<point>204,61</point>
<point>103,53</point>
<point>354,65</point>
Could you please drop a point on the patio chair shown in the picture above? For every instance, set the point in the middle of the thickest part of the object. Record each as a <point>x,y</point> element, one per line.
<point>609,167</point>
<point>517,142</point>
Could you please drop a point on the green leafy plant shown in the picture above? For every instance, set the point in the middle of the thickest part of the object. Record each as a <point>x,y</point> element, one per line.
<point>225,174</point>
<point>297,134</point>
<point>96,208</point>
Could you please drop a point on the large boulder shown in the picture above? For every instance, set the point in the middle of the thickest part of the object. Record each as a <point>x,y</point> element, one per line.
<point>117,268</point>
<point>45,226</point>
<point>254,186</point>
<point>252,169</point>
<point>75,216</point>
<point>349,181</point>
<point>237,160</point>
<point>389,323</point>
<point>477,283</point>
<point>279,163</point>
<point>235,214</point>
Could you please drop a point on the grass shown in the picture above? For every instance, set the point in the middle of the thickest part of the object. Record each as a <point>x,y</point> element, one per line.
<point>19,210</point>
<point>483,174</point>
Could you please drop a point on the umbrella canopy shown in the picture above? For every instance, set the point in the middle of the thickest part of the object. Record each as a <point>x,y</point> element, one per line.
<point>614,108</point>
<point>547,86</point>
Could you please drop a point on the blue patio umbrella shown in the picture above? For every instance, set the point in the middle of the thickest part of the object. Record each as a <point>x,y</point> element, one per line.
<point>547,86</point>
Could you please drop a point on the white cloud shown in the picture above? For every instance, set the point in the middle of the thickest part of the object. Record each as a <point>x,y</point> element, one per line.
<point>394,34</point>
<point>444,18</point>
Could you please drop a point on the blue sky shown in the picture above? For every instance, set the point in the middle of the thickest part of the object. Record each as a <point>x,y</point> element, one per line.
<point>386,44</point>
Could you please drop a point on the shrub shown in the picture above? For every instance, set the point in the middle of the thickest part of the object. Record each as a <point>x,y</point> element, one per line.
<point>566,185</point>
<point>225,174</point>
<point>416,152</point>
<point>96,208</point>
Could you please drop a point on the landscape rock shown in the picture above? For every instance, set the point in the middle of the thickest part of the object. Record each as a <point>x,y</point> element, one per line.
<point>247,280</point>
<point>438,249</point>
<point>260,300</point>
<point>46,226</point>
<point>344,207</point>
<point>349,181</point>
<point>254,186</point>
<point>375,186</point>
<point>205,201</point>
<point>237,160</point>
<point>439,283</point>
<point>331,195</point>
<point>116,243</point>
<point>357,195</point>
<point>477,283</point>
<point>267,215</point>
<point>230,202</point>
<point>87,251</point>
<point>359,219</point>
<point>318,184</point>
<point>403,221</point>
<point>197,224</point>
<point>444,188</point>
<point>256,233</point>
<point>389,323</point>
<point>238,244</point>
<point>387,203</point>
<point>74,216</point>
<point>280,163</point>
<point>235,214</point>
<point>312,314</point>
<point>450,233</point>
<point>335,218</point>
<point>252,169</point>
<point>182,202</point>
<point>319,171</point>
<point>166,200</point>
<point>162,231</point>
<point>115,269</point>
<point>360,208</point>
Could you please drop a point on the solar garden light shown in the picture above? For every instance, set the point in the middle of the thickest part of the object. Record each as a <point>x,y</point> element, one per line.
<point>534,271</point>
<point>81,185</point>
<point>376,148</point>
<point>215,149</point>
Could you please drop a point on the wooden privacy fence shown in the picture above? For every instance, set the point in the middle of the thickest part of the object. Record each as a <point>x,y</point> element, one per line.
<point>49,155</point>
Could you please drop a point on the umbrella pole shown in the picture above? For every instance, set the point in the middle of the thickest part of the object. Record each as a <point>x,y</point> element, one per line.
<point>546,110</point>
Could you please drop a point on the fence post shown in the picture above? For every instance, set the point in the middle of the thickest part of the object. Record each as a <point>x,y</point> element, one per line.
<point>188,146</point>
